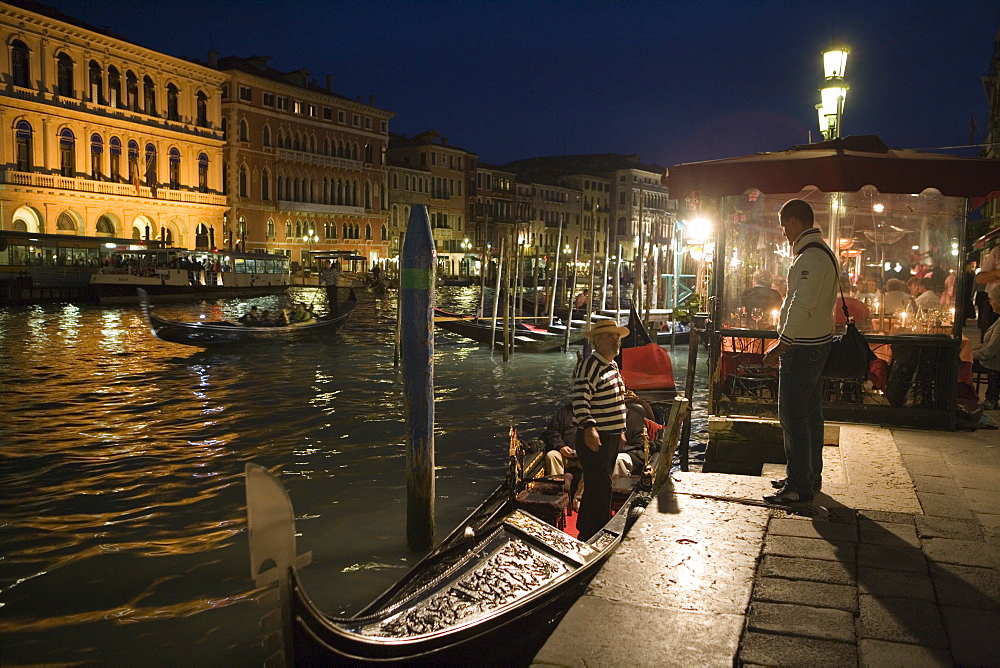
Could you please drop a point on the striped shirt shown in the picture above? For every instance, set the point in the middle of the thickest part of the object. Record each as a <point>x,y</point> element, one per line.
<point>599,395</point>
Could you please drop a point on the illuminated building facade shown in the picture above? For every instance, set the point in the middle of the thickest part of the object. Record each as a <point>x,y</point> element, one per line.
<point>442,172</point>
<point>305,168</point>
<point>103,137</point>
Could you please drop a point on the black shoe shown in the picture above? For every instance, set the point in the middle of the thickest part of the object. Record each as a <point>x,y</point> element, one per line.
<point>786,496</point>
<point>780,483</point>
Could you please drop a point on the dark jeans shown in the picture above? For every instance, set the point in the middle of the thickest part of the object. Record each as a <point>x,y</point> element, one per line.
<point>595,506</point>
<point>800,411</point>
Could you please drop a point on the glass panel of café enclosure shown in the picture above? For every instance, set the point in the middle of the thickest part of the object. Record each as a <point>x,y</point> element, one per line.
<point>878,237</point>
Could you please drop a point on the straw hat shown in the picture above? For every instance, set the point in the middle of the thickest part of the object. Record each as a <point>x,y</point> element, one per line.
<point>604,327</point>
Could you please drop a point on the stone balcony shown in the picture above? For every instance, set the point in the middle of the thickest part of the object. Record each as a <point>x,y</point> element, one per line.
<point>313,207</point>
<point>318,159</point>
<point>56,182</point>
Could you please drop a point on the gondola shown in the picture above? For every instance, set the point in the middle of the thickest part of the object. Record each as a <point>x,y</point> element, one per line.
<point>645,365</point>
<point>527,337</point>
<point>502,579</point>
<point>221,333</point>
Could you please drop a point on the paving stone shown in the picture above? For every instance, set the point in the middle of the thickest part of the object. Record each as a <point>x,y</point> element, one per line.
<point>892,557</point>
<point>801,620</point>
<point>941,505</point>
<point>930,465</point>
<point>815,570</point>
<point>974,638</point>
<point>983,500</point>
<point>802,592</point>
<point>965,552</point>
<point>885,516</point>
<point>831,531</point>
<point>978,477</point>
<point>990,521</point>
<point>966,586</point>
<point>901,620</point>
<point>810,548</point>
<point>887,533</point>
<point>898,584</point>
<point>674,637</point>
<point>936,485</point>
<point>948,527</point>
<point>880,653</point>
<point>768,649</point>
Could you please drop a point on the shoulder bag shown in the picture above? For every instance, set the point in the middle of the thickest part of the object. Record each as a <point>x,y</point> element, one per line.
<point>850,354</point>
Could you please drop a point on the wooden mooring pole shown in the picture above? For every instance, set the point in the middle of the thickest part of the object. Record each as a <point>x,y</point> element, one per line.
<point>416,314</point>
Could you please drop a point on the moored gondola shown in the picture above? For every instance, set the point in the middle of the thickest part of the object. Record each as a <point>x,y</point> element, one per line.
<point>211,334</point>
<point>503,578</point>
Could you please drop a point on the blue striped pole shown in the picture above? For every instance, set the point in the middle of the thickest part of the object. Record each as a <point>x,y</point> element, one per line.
<point>416,315</point>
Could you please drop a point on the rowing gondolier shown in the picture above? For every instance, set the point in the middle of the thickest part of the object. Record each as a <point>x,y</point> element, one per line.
<point>599,411</point>
<point>805,330</point>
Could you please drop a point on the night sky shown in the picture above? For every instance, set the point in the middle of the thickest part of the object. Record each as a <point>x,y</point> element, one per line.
<point>669,81</point>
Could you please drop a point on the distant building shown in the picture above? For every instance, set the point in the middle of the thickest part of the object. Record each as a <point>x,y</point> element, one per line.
<point>106,137</point>
<point>305,168</point>
<point>427,170</point>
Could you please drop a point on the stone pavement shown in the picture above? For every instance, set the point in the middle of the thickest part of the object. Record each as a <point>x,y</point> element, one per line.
<point>895,563</point>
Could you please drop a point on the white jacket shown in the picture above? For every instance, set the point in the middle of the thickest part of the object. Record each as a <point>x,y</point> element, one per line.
<point>807,312</point>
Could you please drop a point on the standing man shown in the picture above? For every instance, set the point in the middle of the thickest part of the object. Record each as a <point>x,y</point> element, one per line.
<point>805,329</point>
<point>331,277</point>
<point>986,279</point>
<point>599,411</point>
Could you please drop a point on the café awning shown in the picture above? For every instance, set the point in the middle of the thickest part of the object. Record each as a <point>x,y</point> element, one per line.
<point>839,165</point>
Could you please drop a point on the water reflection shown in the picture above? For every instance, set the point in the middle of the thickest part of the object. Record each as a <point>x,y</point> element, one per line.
<point>123,459</point>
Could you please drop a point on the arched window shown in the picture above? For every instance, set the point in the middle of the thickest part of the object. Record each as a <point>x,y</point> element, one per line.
<point>383,233</point>
<point>202,173</point>
<point>114,87</point>
<point>368,195</point>
<point>368,231</point>
<point>64,71</point>
<point>148,95</point>
<point>298,228</point>
<point>243,181</point>
<point>346,232</point>
<point>20,63</point>
<point>23,140</point>
<point>202,100</point>
<point>326,146</point>
<point>265,187</point>
<point>175,169</point>
<point>115,153</point>
<point>288,229</point>
<point>131,91</point>
<point>281,182</point>
<point>266,136</point>
<point>368,154</point>
<point>65,223</point>
<point>96,83</point>
<point>173,111</point>
<point>67,153</point>
<point>105,227</point>
<point>96,156</point>
<point>244,131</point>
<point>151,176</point>
<point>225,177</point>
<point>270,229</point>
<point>354,152</point>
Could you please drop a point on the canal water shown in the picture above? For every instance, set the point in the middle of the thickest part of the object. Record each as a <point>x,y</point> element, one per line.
<point>122,512</point>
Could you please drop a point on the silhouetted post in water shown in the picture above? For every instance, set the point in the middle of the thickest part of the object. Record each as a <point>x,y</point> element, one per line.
<point>555,280</point>
<point>416,295</point>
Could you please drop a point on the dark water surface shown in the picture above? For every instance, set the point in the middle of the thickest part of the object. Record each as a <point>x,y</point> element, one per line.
<point>122,512</point>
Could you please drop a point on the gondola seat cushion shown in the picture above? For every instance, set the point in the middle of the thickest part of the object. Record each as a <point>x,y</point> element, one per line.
<point>647,368</point>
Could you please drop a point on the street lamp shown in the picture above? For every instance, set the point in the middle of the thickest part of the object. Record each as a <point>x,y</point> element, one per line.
<point>312,239</point>
<point>834,92</point>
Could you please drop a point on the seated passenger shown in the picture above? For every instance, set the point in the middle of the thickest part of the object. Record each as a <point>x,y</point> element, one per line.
<point>251,318</point>
<point>640,421</point>
<point>559,438</point>
<point>300,313</point>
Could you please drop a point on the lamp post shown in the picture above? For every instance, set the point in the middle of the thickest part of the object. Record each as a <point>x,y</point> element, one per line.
<point>466,265</point>
<point>834,92</point>
<point>312,239</point>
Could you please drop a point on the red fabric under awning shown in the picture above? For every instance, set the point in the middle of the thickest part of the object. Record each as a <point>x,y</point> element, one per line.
<point>839,165</point>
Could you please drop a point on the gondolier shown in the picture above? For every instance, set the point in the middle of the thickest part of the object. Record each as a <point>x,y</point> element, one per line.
<point>331,278</point>
<point>599,410</point>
